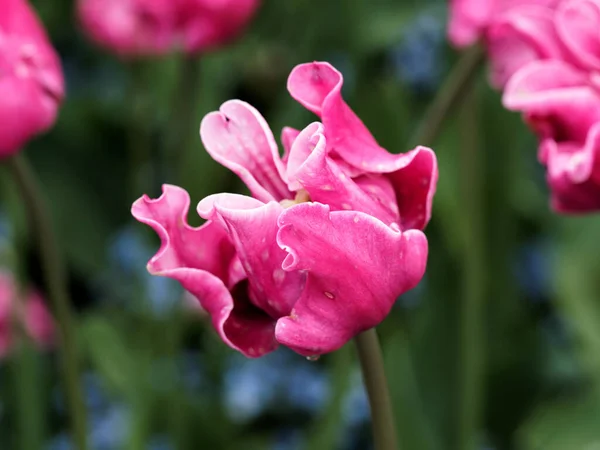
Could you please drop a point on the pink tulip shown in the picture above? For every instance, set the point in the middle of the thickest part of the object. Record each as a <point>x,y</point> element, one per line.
<point>563,107</point>
<point>156,27</point>
<point>30,313</point>
<point>31,80</point>
<point>329,240</point>
<point>208,24</point>
<point>130,27</point>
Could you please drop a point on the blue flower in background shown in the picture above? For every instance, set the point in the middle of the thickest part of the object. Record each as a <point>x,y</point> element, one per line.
<point>128,254</point>
<point>191,370</point>
<point>160,442</point>
<point>253,385</point>
<point>108,431</point>
<point>533,269</point>
<point>108,421</point>
<point>306,387</point>
<point>288,439</point>
<point>250,385</point>
<point>127,250</point>
<point>356,408</point>
<point>416,59</point>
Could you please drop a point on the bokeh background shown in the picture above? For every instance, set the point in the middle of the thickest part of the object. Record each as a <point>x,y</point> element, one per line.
<point>155,374</point>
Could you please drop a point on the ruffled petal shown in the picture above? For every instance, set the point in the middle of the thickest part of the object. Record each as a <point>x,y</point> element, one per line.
<point>525,33</point>
<point>240,324</point>
<point>207,247</point>
<point>357,267</point>
<point>317,86</point>
<point>288,136</point>
<point>468,19</point>
<point>203,260</point>
<point>574,175</point>
<point>556,100</point>
<point>31,78</point>
<point>310,168</point>
<point>578,24</point>
<point>413,175</point>
<point>541,81</point>
<point>238,137</point>
<point>252,227</point>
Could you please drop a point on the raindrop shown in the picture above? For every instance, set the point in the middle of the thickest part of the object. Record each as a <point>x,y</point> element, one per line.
<point>313,358</point>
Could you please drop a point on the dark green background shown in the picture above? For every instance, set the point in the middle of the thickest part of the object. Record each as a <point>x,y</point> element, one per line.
<point>156,374</point>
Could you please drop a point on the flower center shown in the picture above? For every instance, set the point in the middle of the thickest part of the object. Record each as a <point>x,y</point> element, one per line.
<point>301,197</point>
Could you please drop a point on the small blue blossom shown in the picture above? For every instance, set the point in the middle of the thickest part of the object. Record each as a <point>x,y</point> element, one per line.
<point>416,59</point>
<point>288,439</point>
<point>533,269</point>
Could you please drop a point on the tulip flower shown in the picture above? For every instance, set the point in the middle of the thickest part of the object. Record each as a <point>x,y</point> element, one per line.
<point>31,80</point>
<point>329,239</point>
<point>29,312</point>
<point>577,24</point>
<point>156,27</point>
<point>563,107</point>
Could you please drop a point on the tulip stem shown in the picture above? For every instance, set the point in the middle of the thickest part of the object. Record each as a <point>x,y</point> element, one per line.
<point>472,336</point>
<point>448,97</point>
<point>382,415</point>
<point>185,118</point>
<point>56,284</point>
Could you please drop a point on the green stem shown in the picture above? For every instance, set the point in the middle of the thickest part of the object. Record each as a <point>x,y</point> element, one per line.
<point>25,361</point>
<point>472,336</point>
<point>56,283</point>
<point>27,382</point>
<point>185,121</point>
<point>448,97</point>
<point>382,415</point>
<point>141,175</point>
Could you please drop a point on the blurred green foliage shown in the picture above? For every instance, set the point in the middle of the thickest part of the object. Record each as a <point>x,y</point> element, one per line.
<point>126,127</point>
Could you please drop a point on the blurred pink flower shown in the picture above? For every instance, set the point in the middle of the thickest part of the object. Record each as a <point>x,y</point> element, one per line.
<point>329,241</point>
<point>563,107</point>
<point>208,24</point>
<point>156,27</point>
<point>470,19</point>
<point>523,34</point>
<point>578,25</point>
<point>31,80</point>
<point>514,32</point>
<point>31,311</point>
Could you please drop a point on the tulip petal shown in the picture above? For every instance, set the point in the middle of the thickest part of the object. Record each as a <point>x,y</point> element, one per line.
<point>523,34</point>
<point>252,227</point>
<point>577,24</point>
<point>31,79</point>
<point>238,137</point>
<point>574,175</point>
<point>556,99</point>
<point>288,136</point>
<point>413,175</point>
<point>468,19</point>
<point>310,168</point>
<point>203,260</point>
<point>207,247</point>
<point>317,86</point>
<point>356,268</point>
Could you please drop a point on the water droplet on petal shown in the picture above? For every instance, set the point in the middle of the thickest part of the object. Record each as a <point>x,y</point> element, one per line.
<point>313,358</point>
